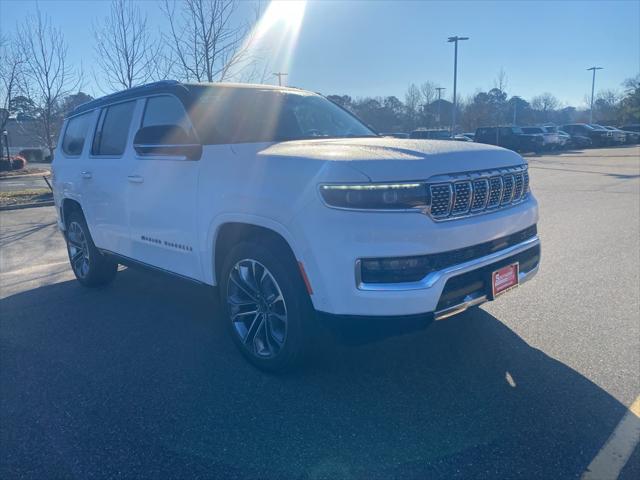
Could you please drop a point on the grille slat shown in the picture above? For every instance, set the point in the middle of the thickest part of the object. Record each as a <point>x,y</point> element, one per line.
<point>494,190</point>
<point>462,201</point>
<point>480,194</point>
<point>441,196</point>
<point>507,191</point>
<point>517,187</point>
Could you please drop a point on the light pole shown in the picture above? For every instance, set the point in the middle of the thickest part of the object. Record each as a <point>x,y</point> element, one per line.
<point>455,40</point>
<point>439,89</point>
<point>280,75</point>
<point>593,85</point>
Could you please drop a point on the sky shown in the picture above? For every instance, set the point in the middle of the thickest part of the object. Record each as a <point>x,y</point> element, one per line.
<point>377,48</point>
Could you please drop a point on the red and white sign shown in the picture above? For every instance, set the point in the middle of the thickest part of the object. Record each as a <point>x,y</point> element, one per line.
<point>504,279</point>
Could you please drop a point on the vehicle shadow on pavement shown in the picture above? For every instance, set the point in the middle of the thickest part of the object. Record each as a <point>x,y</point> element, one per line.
<point>140,379</point>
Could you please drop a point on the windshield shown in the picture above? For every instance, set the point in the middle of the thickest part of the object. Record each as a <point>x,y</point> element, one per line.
<point>243,115</point>
<point>532,130</point>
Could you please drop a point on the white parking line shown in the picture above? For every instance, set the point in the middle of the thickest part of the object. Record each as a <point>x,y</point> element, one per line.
<point>613,456</point>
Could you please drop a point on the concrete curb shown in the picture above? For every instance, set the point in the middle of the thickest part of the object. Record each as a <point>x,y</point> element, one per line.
<point>26,175</point>
<point>26,205</point>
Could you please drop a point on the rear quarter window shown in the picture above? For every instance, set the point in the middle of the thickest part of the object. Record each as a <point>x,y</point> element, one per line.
<point>75,134</point>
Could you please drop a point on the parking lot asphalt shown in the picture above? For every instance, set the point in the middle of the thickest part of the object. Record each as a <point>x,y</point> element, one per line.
<point>138,379</point>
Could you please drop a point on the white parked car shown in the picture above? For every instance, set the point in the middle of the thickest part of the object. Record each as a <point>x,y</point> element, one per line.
<point>550,138</point>
<point>293,208</point>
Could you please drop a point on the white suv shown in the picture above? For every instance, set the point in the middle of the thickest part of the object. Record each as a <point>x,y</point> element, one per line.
<point>295,209</point>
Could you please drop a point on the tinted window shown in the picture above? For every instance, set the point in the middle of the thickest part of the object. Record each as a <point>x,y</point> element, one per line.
<point>165,110</point>
<point>242,115</point>
<point>113,129</point>
<point>74,135</point>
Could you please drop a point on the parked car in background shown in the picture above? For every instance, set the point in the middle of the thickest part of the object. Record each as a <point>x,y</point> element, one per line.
<point>632,127</point>
<point>512,138</point>
<point>308,217</point>
<point>617,137</point>
<point>394,135</point>
<point>550,140</point>
<point>422,133</point>
<point>598,137</point>
<point>631,138</point>
<point>471,135</point>
<point>461,137</point>
<point>564,138</point>
<point>579,141</point>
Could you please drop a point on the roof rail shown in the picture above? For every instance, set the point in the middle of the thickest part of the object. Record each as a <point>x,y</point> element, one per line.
<point>123,93</point>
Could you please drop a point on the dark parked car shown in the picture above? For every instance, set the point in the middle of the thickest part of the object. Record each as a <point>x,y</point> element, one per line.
<point>631,137</point>
<point>512,138</point>
<point>633,127</point>
<point>576,141</point>
<point>431,134</point>
<point>599,137</point>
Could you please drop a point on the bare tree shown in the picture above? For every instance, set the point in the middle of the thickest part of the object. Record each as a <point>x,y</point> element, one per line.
<point>545,104</point>
<point>428,92</point>
<point>412,102</point>
<point>125,51</point>
<point>501,80</point>
<point>11,63</point>
<point>204,38</point>
<point>48,74</point>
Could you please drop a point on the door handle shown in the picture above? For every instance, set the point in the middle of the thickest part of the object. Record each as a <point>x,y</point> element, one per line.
<point>135,179</point>
<point>85,174</point>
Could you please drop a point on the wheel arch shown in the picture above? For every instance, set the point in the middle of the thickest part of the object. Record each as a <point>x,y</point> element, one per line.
<point>230,230</point>
<point>67,206</point>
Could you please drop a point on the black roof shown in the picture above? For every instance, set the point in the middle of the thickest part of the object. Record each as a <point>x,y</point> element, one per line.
<point>163,86</point>
<point>179,89</point>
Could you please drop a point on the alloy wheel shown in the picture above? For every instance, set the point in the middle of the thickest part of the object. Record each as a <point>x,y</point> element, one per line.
<point>257,308</point>
<point>78,249</point>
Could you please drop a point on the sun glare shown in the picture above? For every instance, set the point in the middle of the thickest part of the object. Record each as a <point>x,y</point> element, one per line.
<point>285,15</point>
<point>272,40</point>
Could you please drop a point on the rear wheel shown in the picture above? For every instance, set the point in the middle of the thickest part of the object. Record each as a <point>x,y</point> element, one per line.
<point>90,267</point>
<point>266,306</point>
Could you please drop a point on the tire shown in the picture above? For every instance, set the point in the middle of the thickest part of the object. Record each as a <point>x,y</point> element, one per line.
<point>89,265</point>
<point>266,307</point>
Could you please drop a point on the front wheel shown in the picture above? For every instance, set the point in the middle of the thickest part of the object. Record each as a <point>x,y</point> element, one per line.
<point>91,268</point>
<point>267,309</point>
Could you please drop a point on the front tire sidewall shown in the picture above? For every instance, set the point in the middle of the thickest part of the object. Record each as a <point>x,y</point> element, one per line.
<point>287,277</point>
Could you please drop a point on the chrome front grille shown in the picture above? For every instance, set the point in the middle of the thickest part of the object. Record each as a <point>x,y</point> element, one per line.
<point>473,193</point>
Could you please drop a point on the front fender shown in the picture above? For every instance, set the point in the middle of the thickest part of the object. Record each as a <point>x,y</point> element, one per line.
<point>208,257</point>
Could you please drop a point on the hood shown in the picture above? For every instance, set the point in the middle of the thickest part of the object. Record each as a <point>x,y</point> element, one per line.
<point>392,159</point>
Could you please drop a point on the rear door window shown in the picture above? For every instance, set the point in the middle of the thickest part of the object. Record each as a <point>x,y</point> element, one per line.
<point>166,110</point>
<point>75,134</point>
<point>113,129</point>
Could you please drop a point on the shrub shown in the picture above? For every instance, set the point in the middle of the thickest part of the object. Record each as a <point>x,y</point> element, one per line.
<point>18,162</point>
<point>32,155</point>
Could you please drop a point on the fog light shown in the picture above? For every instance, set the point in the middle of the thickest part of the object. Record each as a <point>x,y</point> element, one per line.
<point>394,270</point>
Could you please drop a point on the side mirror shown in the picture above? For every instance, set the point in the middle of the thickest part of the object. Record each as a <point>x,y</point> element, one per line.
<point>166,141</point>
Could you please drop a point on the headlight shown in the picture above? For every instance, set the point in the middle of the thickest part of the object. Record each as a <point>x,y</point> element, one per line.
<point>376,196</point>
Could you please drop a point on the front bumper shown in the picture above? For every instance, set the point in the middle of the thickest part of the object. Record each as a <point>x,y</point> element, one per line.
<point>331,254</point>
<point>462,286</point>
